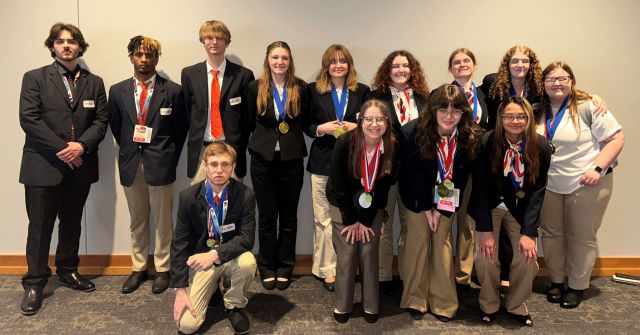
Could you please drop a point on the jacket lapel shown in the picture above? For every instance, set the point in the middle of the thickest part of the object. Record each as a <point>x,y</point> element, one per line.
<point>81,84</point>
<point>156,100</point>
<point>54,76</point>
<point>204,206</point>
<point>232,195</point>
<point>130,102</point>
<point>229,76</point>
<point>327,102</point>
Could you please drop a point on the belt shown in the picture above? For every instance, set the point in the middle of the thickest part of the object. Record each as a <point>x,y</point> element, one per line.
<point>206,143</point>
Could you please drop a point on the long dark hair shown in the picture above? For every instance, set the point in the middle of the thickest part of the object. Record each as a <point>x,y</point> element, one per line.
<point>356,145</point>
<point>417,81</point>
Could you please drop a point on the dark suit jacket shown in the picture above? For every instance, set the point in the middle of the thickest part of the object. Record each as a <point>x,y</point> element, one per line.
<point>418,176</point>
<point>265,127</point>
<point>343,188</point>
<point>160,157</point>
<point>482,103</point>
<point>490,190</point>
<point>46,116</point>
<point>190,234</point>
<point>421,102</point>
<point>494,102</point>
<point>322,111</point>
<point>234,117</point>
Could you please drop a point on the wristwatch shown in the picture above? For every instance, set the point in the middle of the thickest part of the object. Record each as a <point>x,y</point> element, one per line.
<point>597,169</point>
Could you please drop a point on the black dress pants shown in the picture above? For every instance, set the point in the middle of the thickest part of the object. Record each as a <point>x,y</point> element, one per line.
<point>277,185</point>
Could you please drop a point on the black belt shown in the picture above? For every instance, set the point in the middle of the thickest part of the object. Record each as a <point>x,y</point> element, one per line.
<point>206,143</point>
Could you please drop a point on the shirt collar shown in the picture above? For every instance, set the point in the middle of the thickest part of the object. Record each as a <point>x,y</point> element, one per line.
<point>150,82</point>
<point>222,67</point>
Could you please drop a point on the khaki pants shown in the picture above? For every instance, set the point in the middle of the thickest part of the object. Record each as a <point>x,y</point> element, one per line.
<point>203,284</point>
<point>348,256</point>
<point>201,173</point>
<point>142,198</point>
<point>463,262</point>
<point>386,240</point>
<point>521,274</point>
<point>324,256</point>
<point>569,228</point>
<point>428,267</point>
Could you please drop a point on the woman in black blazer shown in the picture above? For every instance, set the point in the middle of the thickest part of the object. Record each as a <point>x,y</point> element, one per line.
<point>402,84</point>
<point>508,189</point>
<point>336,97</point>
<point>277,106</point>
<point>362,170</point>
<point>437,153</point>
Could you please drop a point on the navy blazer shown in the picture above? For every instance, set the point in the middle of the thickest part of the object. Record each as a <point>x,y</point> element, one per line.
<point>265,131</point>
<point>191,233</point>
<point>489,190</point>
<point>421,102</point>
<point>321,111</point>
<point>418,176</point>
<point>494,102</point>
<point>160,157</point>
<point>234,117</point>
<point>46,116</point>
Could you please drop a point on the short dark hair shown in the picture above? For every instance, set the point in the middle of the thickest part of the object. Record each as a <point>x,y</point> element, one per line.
<point>55,31</point>
<point>144,42</point>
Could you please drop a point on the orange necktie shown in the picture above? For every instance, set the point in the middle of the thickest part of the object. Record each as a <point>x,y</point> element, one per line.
<point>216,121</point>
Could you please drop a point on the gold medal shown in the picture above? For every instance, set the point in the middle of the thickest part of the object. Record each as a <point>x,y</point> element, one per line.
<point>211,243</point>
<point>339,131</point>
<point>283,127</point>
<point>442,191</point>
<point>448,184</point>
<point>520,194</point>
<point>365,200</point>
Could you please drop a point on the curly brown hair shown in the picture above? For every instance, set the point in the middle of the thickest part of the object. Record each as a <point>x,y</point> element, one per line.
<point>75,32</point>
<point>418,80</point>
<point>502,84</point>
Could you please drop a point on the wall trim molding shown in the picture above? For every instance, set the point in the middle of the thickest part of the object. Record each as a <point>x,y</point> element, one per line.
<point>120,265</point>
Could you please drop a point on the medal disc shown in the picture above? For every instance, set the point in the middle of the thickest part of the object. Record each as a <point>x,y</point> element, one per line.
<point>520,194</point>
<point>211,243</point>
<point>339,131</point>
<point>553,147</point>
<point>365,199</point>
<point>283,127</point>
<point>442,191</point>
<point>448,184</point>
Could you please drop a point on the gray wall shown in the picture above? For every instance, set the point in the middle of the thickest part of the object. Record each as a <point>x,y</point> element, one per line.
<point>599,40</point>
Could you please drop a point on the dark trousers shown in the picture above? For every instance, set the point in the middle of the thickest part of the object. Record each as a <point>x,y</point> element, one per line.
<point>44,204</point>
<point>277,185</point>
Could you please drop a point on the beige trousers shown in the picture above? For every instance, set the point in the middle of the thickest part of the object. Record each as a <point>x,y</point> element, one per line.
<point>143,198</point>
<point>202,285</point>
<point>386,240</point>
<point>521,273</point>
<point>201,173</point>
<point>324,256</point>
<point>428,267</point>
<point>569,228</point>
<point>463,262</point>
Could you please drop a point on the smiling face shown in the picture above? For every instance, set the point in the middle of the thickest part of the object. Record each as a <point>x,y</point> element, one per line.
<point>374,123</point>
<point>462,66</point>
<point>560,88</point>
<point>515,120</point>
<point>519,65</point>
<point>339,67</point>
<point>65,47</point>
<point>400,72</point>
<point>279,59</point>
<point>448,119</point>
<point>215,45</point>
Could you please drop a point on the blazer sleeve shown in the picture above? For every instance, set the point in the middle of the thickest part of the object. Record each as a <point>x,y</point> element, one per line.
<point>338,185</point>
<point>252,105</point>
<point>531,220</point>
<point>180,242</point>
<point>244,240</point>
<point>311,126</point>
<point>187,93</point>
<point>93,135</point>
<point>115,118</point>
<point>180,121</point>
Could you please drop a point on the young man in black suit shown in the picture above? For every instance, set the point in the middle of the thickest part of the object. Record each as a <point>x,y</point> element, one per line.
<point>147,119</point>
<point>215,100</point>
<point>212,243</point>
<point>63,114</point>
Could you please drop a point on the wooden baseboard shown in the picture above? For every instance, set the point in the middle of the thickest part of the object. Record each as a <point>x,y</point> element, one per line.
<point>118,265</point>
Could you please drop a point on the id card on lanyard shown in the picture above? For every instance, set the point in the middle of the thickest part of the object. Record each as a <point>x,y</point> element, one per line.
<point>142,133</point>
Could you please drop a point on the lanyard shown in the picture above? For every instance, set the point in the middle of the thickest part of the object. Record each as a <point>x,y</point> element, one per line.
<point>280,102</point>
<point>144,108</point>
<point>475,98</point>
<point>551,123</point>
<point>339,105</point>
<point>216,212</point>
<point>446,154</point>
<point>369,169</point>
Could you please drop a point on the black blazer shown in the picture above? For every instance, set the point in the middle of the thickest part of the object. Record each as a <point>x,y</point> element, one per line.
<point>482,103</point>
<point>46,116</point>
<point>490,190</point>
<point>343,188</point>
<point>322,111</point>
<point>190,234</point>
<point>168,120</point>
<point>494,102</point>
<point>418,176</point>
<point>234,117</point>
<point>265,131</point>
<point>421,102</point>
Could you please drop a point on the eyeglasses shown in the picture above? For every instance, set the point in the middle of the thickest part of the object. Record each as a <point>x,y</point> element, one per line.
<point>224,165</point>
<point>368,120</point>
<point>515,61</point>
<point>513,117</point>
<point>561,79</point>
<point>449,112</point>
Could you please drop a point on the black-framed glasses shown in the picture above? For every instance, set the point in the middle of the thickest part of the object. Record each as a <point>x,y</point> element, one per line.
<point>368,120</point>
<point>513,117</point>
<point>561,79</point>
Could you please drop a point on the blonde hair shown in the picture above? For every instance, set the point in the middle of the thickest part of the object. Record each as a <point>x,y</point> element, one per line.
<point>216,29</point>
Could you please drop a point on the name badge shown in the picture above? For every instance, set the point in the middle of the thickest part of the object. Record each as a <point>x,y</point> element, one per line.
<point>448,203</point>
<point>228,227</point>
<point>235,101</point>
<point>142,134</point>
<point>165,111</point>
<point>88,104</point>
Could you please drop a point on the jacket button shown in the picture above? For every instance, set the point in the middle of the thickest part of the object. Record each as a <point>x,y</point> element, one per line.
<point>501,198</point>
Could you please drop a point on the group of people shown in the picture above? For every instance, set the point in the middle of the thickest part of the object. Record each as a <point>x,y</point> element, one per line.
<point>522,152</point>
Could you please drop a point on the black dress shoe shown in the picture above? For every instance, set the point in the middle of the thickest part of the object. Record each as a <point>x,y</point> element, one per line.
<point>239,320</point>
<point>572,298</point>
<point>341,317</point>
<point>134,281</point>
<point>269,284</point>
<point>283,285</point>
<point>75,281</point>
<point>387,288</point>
<point>331,287</point>
<point>161,282</point>
<point>370,317</point>
<point>31,301</point>
<point>415,314</point>
<point>555,293</point>
<point>442,318</point>
<point>463,287</point>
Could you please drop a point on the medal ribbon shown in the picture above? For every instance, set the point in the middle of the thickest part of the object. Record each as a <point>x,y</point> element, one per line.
<point>513,164</point>
<point>142,100</point>
<point>512,91</point>
<point>446,153</point>
<point>216,211</point>
<point>280,103</point>
<point>369,169</point>
<point>551,122</point>
<point>339,105</point>
<point>470,95</point>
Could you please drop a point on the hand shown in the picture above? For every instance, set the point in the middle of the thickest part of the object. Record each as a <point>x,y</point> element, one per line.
<point>350,125</point>
<point>601,107</point>
<point>433,218</point>
<point>75,163</point>
<point>590,178</point>
<point>487,244</point>
<point>529,248</point>
<point>182,302</point>
<point>365,233</point>
<point>202,261</point>
<point>328,127</point>
<point>71,152</point>
<point>352,233</point>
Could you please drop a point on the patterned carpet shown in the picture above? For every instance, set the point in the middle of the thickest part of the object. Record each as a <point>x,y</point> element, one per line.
<point>305,308</point>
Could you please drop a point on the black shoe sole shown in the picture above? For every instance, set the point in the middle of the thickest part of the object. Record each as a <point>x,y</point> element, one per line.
<point>77,288</point>
<point>27,313</point>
